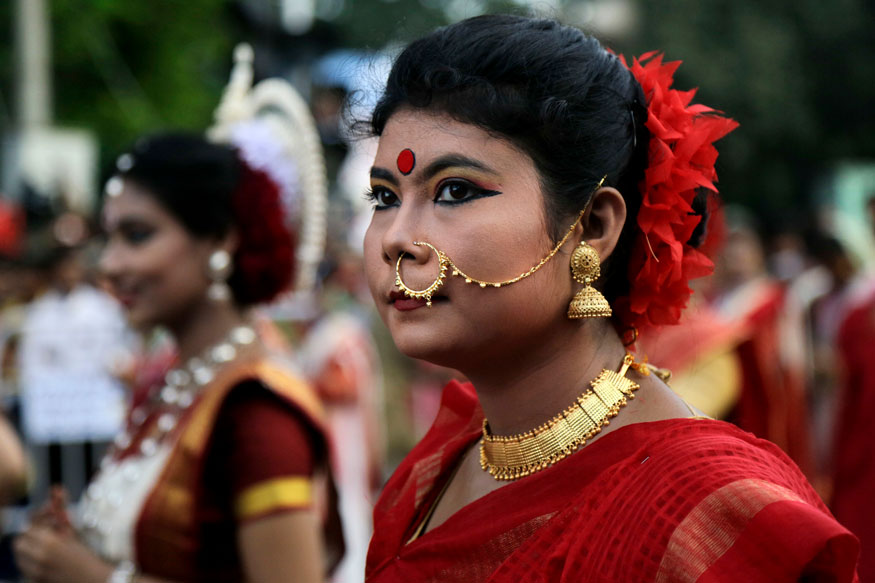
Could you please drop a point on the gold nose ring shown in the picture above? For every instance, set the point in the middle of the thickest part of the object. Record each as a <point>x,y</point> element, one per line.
<point>427,293</point>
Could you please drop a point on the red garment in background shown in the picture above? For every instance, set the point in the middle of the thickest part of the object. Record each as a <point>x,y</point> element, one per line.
<point>254,425</point>
<point>677,500</point>
<point>772,402</point>
<point>854,480</point>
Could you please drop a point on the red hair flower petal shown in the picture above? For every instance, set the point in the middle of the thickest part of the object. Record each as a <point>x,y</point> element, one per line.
<point>681,161</point>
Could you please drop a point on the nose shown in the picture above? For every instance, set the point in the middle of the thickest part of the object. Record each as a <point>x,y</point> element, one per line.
<point>398,238</point>
<point>111,260</point>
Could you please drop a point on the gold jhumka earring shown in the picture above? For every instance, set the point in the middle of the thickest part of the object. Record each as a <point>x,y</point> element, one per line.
<point>446,264</point>
<point>585,268</point>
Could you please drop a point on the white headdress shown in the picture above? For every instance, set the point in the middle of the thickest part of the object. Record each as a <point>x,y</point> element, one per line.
<point>272,127</point>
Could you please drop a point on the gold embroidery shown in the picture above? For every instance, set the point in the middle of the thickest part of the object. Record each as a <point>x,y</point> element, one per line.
<point>169,509</point>
<point>713,526</point>
<point>295,492</point>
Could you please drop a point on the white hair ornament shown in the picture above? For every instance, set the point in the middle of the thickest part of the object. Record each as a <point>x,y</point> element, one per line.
<point>272,127</point>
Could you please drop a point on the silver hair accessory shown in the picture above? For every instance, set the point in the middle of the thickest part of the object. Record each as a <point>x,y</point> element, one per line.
<point>634,129</point>
<point>272,127</point>
<point>114,186</point>
<point>124,162</point>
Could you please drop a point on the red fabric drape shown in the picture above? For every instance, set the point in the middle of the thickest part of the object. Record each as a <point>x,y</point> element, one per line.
<point>854,481</point>
<point>678,500</point>
<point>772,401</point>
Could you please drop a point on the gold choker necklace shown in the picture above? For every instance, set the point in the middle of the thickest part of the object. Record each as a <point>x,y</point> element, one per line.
<point>515,456</point>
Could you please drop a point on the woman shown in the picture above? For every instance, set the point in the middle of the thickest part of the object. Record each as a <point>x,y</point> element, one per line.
<point>217,477</point>
<point>510,147</point>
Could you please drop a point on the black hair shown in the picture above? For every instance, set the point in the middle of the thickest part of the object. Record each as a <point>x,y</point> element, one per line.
<point>552,91</point>
<point>192,178</point>
<point>197,182</point>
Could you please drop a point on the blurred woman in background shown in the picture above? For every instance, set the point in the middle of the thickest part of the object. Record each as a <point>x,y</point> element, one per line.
<point>218,475</point>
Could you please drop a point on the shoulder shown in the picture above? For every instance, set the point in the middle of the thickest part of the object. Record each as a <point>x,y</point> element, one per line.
<point>265,390</point>
<point>706,455</point>
<point>266,381</point>
<point>726,501</point>
<point>247,402</point>
<point>261,424</point>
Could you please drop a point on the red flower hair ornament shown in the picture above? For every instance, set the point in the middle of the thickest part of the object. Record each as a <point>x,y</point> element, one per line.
<point>681,161</point>
<point>264,262</point>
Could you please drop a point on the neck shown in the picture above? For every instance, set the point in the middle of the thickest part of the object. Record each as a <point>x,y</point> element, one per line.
<point>546,379</point>
<point>205,325</point>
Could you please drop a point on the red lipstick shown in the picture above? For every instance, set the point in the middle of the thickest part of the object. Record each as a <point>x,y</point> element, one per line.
<point>404,304</point>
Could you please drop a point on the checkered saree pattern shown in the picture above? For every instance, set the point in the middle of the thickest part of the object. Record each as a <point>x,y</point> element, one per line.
<point>667,501</point>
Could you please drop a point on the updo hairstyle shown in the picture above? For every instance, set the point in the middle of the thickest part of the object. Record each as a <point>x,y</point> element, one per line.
<point>550,90</point>
<point>210,190</point>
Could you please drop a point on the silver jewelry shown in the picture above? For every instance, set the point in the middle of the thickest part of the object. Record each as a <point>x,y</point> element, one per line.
<point>219,271</point>
<point>103,507</point>
<point>181,387</point>
<point>114,186</point>
<point>124,162</point>
<point>124,572</point>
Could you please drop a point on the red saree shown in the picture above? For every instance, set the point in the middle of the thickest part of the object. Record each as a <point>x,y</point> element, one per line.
<point>854,447</point>
<point>187,528</point>
<point>678,500</point>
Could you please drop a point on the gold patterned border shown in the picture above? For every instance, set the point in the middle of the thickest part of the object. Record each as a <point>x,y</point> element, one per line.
<point>276,494</point>
<point>714,525</point>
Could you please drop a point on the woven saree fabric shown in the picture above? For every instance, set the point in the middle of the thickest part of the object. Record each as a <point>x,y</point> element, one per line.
<point>667,501</point>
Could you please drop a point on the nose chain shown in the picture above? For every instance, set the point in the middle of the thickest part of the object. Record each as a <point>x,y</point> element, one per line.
<point>446,264</point>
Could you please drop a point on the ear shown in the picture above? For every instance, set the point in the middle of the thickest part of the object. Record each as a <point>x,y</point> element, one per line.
<point>604,222</point>
<point>230,242</point>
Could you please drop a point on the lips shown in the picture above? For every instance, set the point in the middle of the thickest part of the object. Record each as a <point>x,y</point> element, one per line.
<point>126,300</point>
<point>125,294</point>
<point>404,304</point>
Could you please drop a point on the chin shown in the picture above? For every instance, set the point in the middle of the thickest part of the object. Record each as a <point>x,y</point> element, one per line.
<point>142,319</point>
<point>431,346</point>
<point>139,322</point>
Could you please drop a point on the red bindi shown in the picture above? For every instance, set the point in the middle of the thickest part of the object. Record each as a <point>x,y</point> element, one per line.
<point>406,161</point>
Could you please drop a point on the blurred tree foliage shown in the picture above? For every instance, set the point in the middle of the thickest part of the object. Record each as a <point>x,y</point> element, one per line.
<point>799,75</point>
<point>123,69</point>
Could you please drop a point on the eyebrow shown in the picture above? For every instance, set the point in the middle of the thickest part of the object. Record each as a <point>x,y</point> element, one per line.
<point>383,174</point>
<point>437,166</point>
<point>127,222</point>
<point>454,161</point>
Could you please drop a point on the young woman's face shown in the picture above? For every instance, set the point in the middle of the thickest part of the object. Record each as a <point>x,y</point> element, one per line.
<point>156,269</point>
<point>478,199</point>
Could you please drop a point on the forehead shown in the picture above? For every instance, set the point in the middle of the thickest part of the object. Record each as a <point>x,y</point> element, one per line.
<point>133,202</point>
<point>429,135</point>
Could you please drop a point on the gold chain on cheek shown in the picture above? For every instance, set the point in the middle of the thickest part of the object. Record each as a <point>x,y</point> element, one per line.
<point>445,264</point>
